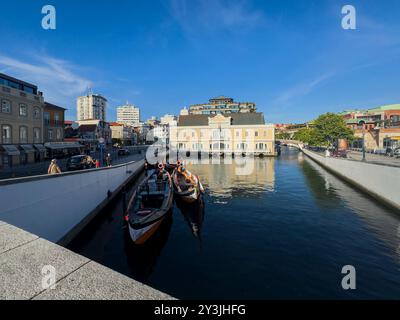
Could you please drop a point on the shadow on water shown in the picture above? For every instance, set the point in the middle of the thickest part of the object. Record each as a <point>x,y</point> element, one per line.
<point>380,219</point>
<point>142,259</point>
<point>194,216</point>
<point>325,197</point>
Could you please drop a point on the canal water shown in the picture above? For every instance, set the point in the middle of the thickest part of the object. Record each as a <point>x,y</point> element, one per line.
<point>283,230</point>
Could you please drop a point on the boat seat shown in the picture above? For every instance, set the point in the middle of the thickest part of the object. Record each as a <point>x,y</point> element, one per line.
<point>152,194</point>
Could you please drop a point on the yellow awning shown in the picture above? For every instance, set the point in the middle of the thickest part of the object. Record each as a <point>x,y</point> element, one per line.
<point>395,138</point>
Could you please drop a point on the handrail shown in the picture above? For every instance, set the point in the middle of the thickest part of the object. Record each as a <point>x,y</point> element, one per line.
<point>61,175</point>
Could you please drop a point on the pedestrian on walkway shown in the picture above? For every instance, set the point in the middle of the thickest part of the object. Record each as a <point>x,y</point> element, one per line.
<point>53,167</point>
<point>108,160</point>
<point>97,163</point>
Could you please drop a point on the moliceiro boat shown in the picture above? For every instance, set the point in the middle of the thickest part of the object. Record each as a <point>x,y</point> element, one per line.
<point>149,205</point>
<point>187,186</point>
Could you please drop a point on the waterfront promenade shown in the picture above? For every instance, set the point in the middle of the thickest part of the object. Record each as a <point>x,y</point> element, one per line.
<point>374,158</point>
<point>40,168</point>
<point>24,258</point>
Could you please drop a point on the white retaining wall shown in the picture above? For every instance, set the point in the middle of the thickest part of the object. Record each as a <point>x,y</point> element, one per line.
<point>381,181</point>
<point>51,206</point>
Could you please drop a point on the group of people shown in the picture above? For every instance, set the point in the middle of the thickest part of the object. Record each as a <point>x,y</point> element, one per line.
<point>54,168</point>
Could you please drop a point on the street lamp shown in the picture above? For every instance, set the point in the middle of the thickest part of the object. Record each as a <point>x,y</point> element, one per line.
<point>362,124</point>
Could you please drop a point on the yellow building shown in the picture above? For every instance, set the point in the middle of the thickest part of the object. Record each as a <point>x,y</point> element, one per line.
<point>239,133</point>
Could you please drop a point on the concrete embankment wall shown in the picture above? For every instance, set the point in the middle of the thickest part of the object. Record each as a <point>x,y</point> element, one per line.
<point>380,181</point>
<point>58,207</point>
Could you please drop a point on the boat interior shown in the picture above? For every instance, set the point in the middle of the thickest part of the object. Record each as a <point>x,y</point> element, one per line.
<point>185,183</point>
<point>151,194</point>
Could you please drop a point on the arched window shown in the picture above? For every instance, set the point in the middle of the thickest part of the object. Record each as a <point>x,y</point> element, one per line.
<point>5,106</point>
<point>36,113</point>
<point>36,135</point>
<point>6,134</point>
<point>23,110</point>
<point>23,134</point>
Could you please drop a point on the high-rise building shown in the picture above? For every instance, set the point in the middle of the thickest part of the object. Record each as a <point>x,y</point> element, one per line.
<point>222,105</point>
<point>91,107</point>
<point>128,115</point>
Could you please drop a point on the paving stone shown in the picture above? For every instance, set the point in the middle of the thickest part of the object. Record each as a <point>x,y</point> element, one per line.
<point>12,237</point>
<point>96,282</point>
<point>21,268</point>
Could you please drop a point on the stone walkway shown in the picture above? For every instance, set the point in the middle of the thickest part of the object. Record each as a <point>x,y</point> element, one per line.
<point>23,257</point>
<point>41,168</point>
<point>374,158</point>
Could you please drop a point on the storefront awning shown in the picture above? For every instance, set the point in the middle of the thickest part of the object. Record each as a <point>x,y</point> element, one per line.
<point>57,146</point>
<point>11,150</point>
<point>40,147</point>
<point>28,148</point>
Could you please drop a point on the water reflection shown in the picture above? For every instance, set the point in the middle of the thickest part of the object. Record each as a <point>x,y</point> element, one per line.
<point>194,216</point>
<point>226,178</point>
<point>142,259</point>
<point>382,221</point>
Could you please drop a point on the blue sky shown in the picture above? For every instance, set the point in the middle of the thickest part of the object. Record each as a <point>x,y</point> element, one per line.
<point>290,57</point>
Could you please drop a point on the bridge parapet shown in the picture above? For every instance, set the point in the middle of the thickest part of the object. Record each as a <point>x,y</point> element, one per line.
<point>58,207</point>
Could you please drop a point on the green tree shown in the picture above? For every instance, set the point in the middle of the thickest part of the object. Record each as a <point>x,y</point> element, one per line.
<point>303,135</point>
<point>328,128</point>
<point>283,135</point>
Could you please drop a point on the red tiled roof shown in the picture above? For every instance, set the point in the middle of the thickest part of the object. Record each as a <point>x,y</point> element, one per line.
<point>116,124</point>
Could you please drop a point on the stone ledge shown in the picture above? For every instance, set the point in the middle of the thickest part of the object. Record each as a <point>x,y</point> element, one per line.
<point>23,256</point>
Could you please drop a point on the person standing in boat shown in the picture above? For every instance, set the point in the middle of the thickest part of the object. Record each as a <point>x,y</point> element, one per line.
<point>160,177</point>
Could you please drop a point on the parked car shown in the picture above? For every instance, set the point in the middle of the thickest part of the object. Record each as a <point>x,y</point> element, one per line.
<point>339,153</point>
<point>390,151</point>
<point>123,152</point>
<point>81,162</point>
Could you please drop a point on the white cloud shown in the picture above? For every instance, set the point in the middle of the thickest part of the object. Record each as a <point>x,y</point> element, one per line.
<point>211,15</point>
<point>54,77</point>
<point>300,90</point>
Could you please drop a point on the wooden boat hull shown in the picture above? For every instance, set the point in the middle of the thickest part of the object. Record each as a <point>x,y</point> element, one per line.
<point>141,235</point>
<point>190,196</point>
<point>144,222</point>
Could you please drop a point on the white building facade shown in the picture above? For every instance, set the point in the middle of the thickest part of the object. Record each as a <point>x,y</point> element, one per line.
<point>128,115</point>
<point>91,107</point>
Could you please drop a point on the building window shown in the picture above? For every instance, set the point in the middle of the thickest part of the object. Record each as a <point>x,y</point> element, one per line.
<point>23,110</point>
<point>6,134</point>
<point>36,135</point>
<point>58,134</point>
<point>5,106</point>
<point>56,118</point>
<point>46,116</point>
<point>50,134</point>
<point>36,113</point>
<point>256,133</point>
<point>23,135</point>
